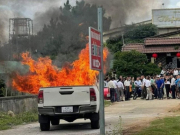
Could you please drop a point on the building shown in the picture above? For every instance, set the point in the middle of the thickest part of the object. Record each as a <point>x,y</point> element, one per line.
<point>118,31</point>
<point>165,48</point>
<point>166,44</point>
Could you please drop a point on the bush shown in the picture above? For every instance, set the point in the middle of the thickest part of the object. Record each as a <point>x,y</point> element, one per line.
<point>151,69</point>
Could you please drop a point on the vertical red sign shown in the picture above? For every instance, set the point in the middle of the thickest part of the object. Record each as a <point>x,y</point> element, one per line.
<point>95,49</point>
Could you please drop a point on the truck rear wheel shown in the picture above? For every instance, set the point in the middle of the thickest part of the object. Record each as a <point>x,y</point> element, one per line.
<point>55,121</point>
<point>45,126</point>
<point>95,121</point>
<point>95,124</point>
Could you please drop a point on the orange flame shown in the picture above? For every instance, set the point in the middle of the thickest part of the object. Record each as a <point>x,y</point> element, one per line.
<point>43,74</point>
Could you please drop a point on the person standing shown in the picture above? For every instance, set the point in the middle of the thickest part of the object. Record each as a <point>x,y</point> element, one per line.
<point>163,71</point>
<point>144,92</point>
<point>127,85</point>
<point>116,91</point>
<point>137,85</point>
<point>178,71</point>
<point>120,89</point>
<point>148,87</point>
<point>132,85</point>
<point>111,87</point>
<point>167,86</point>
<point>163,89</point>
<point>121,77</point>
<point>173,89</point>
<point>177,82</point>
<point>159,86</point>
<point>175,73</point>
<point>153,87</point>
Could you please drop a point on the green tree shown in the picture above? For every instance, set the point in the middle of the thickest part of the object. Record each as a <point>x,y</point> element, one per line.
<point>133,63</point>
<point>151,69</point>
<point>70,30</point>
<point>129,63</point>
<point>132,34</point>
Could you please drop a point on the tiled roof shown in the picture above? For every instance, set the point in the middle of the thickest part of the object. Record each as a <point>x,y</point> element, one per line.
<point>160,45</point>
<point>162,41</point>
<point>162,49</point>
<point>136,46</point>
<point>141,48</point>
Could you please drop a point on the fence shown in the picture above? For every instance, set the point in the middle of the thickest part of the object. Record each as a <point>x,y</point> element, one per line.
<point>18,104</point>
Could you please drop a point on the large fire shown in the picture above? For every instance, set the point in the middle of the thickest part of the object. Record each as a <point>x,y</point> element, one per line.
<point>43,74</point>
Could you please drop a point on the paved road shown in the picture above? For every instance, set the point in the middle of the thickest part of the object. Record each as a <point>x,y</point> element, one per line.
<point>132,112</point>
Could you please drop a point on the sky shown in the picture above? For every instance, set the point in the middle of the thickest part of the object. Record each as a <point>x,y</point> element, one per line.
<point>35,8</point>
<point>30,8</point>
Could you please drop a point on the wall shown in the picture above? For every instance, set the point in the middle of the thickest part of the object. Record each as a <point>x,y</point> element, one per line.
<point>18,104</point>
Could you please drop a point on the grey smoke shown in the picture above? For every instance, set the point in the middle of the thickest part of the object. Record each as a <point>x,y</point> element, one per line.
<point>121,11</point>
<point>43,18</point>
<point>128,11</point>
<point>26,8</point>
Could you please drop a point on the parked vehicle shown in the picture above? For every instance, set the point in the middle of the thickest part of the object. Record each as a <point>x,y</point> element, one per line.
<point>68,103</point>
<point>106,93</point>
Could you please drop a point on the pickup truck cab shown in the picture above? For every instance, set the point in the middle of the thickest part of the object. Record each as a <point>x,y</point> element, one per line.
<point>68,103</point>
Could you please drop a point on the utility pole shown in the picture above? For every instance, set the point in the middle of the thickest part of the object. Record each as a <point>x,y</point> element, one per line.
<point>101,75</point>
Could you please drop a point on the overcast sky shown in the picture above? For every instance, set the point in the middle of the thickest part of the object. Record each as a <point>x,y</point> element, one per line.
<point>30,7</point>
<point>35,8</point>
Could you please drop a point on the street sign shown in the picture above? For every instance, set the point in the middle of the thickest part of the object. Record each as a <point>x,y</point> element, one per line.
<point>95,49</point>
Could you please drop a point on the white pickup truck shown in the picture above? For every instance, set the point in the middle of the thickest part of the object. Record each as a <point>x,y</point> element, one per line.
<point>68,103</point>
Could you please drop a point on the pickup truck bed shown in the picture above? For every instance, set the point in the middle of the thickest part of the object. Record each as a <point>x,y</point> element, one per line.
<point>68,103</point>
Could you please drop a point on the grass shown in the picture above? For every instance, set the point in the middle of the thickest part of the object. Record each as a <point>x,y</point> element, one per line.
<point>7,121</point>
<point>165,126</point>
<point>107,103</point>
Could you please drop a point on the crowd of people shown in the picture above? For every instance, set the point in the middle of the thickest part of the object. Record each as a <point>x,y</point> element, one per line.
<point>166,85</point>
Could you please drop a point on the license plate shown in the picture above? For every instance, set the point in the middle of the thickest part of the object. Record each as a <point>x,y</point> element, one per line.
<point>108,95</point>
<point>67,109</point>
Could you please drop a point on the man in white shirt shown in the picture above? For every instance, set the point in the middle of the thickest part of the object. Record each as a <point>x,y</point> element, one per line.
<point>175,73</point>
<point>144,91</point>
<point>120,89</point>
<point>111,87</point>
<point>148,87</point>
<point>162,71</point>
<point>173,87</point>
<point>116,91</point>
<point>127,83</point>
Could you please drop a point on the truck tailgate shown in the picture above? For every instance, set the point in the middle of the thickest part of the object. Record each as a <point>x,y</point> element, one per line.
<point>64,96</point>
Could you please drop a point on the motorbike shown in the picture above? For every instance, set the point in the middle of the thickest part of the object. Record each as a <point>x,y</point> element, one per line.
<point>137,94</point>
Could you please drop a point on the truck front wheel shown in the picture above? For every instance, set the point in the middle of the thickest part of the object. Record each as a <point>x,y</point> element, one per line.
<point>45,126</point>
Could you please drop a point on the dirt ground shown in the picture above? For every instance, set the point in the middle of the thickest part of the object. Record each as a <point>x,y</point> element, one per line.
<point>129,117</point>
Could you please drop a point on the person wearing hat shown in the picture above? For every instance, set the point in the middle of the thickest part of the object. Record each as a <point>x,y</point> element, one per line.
<point>159,86</point>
